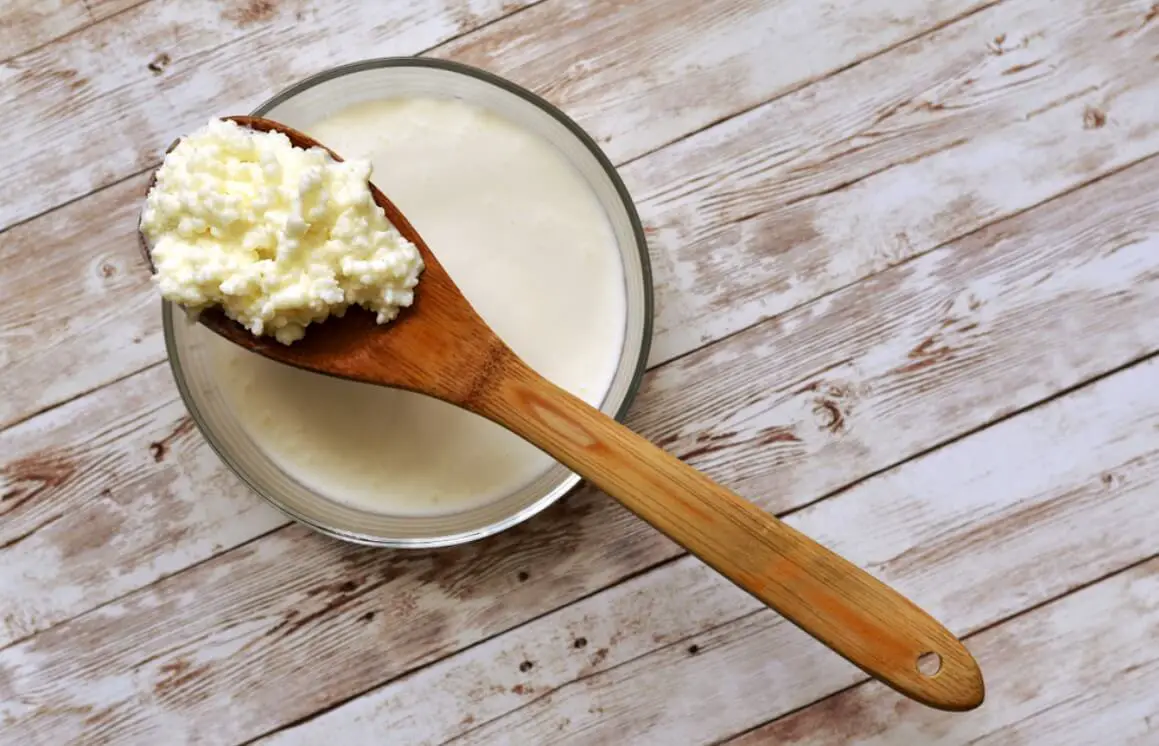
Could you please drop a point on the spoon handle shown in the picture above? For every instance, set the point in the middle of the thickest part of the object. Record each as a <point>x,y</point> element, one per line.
<point>846,608</point>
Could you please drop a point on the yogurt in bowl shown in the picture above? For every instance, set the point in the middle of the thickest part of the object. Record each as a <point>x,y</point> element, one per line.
<point>535,227</point>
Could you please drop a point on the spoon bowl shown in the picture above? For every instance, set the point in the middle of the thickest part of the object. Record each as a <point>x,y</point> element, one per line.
<point>355,347</point>
<point>441,347</point>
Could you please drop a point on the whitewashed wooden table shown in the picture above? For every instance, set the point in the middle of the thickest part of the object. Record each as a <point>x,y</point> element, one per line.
<point>907,273</point>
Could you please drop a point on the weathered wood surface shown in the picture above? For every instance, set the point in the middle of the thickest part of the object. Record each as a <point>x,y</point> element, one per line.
<point>680,639</point>
<point>127,335</point>
<point>887,160</point>
<point>965,334</point>
<point>828,191</point>
<point>832,334</point>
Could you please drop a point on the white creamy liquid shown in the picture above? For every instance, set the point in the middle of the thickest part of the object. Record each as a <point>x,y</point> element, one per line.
<point>528,243</point>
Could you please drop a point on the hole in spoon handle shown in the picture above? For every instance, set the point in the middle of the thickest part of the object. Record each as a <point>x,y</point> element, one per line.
<point>929,664</point>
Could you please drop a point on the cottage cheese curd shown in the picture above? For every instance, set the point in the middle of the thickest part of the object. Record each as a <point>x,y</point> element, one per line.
<point>278,236</point>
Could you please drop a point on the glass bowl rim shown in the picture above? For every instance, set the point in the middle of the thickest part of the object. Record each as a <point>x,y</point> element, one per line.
<point>570,483</point>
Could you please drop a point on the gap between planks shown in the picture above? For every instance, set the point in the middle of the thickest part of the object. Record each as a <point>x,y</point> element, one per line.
<point>651,150</point>
<point>794,88</point>
<point>742,737</point>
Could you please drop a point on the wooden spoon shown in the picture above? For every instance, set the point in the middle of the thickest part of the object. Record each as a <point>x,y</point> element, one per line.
<point>442,348</point>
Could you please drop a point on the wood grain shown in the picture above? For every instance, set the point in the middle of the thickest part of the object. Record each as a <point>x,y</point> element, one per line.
<point>227,636</point>
<point>1074,676</point>
<point>107,322</point>
<point>110,493</point>
<point>890,159</point>
<point>27,24</point>
<point>244,622</point>
<point>678,656</point>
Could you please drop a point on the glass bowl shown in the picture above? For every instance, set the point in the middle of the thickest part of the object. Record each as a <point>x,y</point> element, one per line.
<point>328,93</point>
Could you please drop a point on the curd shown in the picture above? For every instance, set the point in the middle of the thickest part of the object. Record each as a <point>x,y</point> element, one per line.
<point>277,236</point>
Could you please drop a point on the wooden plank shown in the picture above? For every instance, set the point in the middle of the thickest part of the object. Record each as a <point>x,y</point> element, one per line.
<point>107,315</point>
<point>27,24</point>
<point>357,613</point>
<point>681,656</point>
<point>892,158</point>
<point>786,411</point>
<point>696,238</point>
<point>639,75</point>
<point>1082,670</point>
<point>107,493</point>
<point>102,104</point>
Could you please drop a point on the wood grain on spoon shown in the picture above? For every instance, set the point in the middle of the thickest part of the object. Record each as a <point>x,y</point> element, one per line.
<point>441,347</point>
